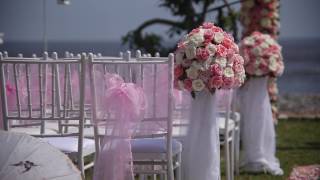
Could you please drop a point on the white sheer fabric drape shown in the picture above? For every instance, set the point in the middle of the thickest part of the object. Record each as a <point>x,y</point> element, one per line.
<point>258,132</point>
<point>201,153</point>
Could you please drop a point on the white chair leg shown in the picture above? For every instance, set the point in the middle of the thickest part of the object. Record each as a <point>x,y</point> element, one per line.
<point>154,177</point>
<point>162,176</point>
<point>227,159</point>
<point>178,170</point>
<point>232,157</point>
<point>237,152</point>
<point>81,167</point>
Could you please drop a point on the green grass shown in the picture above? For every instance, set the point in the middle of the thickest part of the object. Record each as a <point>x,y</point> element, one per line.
<point>298,143</point>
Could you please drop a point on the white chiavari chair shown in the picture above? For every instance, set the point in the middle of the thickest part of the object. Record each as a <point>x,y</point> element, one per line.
<point>44,102</point>
<point>227,130</point>
<point>156,153</point>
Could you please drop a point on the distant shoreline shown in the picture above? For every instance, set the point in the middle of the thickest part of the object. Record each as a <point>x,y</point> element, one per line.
<point>301,57</point>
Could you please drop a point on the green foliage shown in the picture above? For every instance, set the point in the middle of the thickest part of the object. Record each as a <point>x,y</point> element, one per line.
<point>191,13</point>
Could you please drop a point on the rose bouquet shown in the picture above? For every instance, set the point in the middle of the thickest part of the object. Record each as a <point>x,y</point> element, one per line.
<point>260,15</point>
<point>262,55</point>
<point>208,59</point>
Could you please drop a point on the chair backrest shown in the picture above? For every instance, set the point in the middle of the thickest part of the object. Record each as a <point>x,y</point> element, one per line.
<point>153,74</point>
<point>225,110</point>
<point>34,90</point>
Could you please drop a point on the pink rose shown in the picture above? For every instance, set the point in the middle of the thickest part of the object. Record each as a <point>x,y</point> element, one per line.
<point>236,82</point>
<point>207,25</point>
<point>221,51</point>
<point>206,42</point>
<point>216,69</point>
<point>216,82</point>
<point>227,82</point>
<point>178,71</point>
<point>194,31</point>
<point>216,29</point>
<point>230,53</point>
<point>202,54</point>
<point>227,43</point>
<point>208,35</point>
<point>237,59</point>
<point>204,75</point>
<point>250,69</point>
<point>181,45</point>
<point>264,67</point>
<point>238,68</point>
<point>228,36</point>
<point>188,84</point>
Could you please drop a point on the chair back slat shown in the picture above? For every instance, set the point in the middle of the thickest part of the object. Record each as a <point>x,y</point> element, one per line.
<point>29,96</point>
<point>16,83</point>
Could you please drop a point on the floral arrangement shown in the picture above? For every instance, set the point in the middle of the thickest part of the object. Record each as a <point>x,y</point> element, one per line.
<point>262,55</point>
<point>260,15</point>
<point>207,59</point>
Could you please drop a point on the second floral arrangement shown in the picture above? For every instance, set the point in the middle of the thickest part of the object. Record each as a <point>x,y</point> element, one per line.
<point>262,55</point>
<point>208,59</point>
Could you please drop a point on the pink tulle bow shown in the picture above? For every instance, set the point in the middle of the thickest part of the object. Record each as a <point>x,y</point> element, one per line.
<point>126,102</point>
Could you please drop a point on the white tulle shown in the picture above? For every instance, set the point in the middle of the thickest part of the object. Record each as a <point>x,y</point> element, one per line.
<point>258,132</point>
<point>201,153</point>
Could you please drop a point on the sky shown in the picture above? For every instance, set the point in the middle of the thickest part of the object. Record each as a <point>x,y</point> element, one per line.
<point>109,20</point>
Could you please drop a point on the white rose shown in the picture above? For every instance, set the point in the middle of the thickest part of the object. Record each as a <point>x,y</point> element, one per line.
<point>218,37</point>
<point>198,85</point>
<point>179,57</point>
<point>212,48</point>
<point>264,45</point>
<point>228,72</point>
<point>191,52</point>
<point>196,65</point>
<point>222,61</point>
<point>270,41</point>
<point>197,38</point>
<point>258,72</point>
<point>273,63</point>
<point>192,73</point>
<point>207,64</point>
<point>256,51</point>
<point>249,41</point>
<point>265,22</point>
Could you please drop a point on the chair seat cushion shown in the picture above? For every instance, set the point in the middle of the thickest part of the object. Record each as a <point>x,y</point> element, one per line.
<point>154,145</point>
<point>69,144</point>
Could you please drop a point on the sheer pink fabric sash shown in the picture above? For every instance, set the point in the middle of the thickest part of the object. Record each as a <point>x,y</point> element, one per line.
<point>127,103</point>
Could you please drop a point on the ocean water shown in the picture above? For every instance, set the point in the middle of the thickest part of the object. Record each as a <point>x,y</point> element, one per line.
<point>301,57</point>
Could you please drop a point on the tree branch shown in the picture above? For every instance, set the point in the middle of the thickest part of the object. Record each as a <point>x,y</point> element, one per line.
<point>204,10</point>
<point>228,6</point>
<point>223,6</point>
